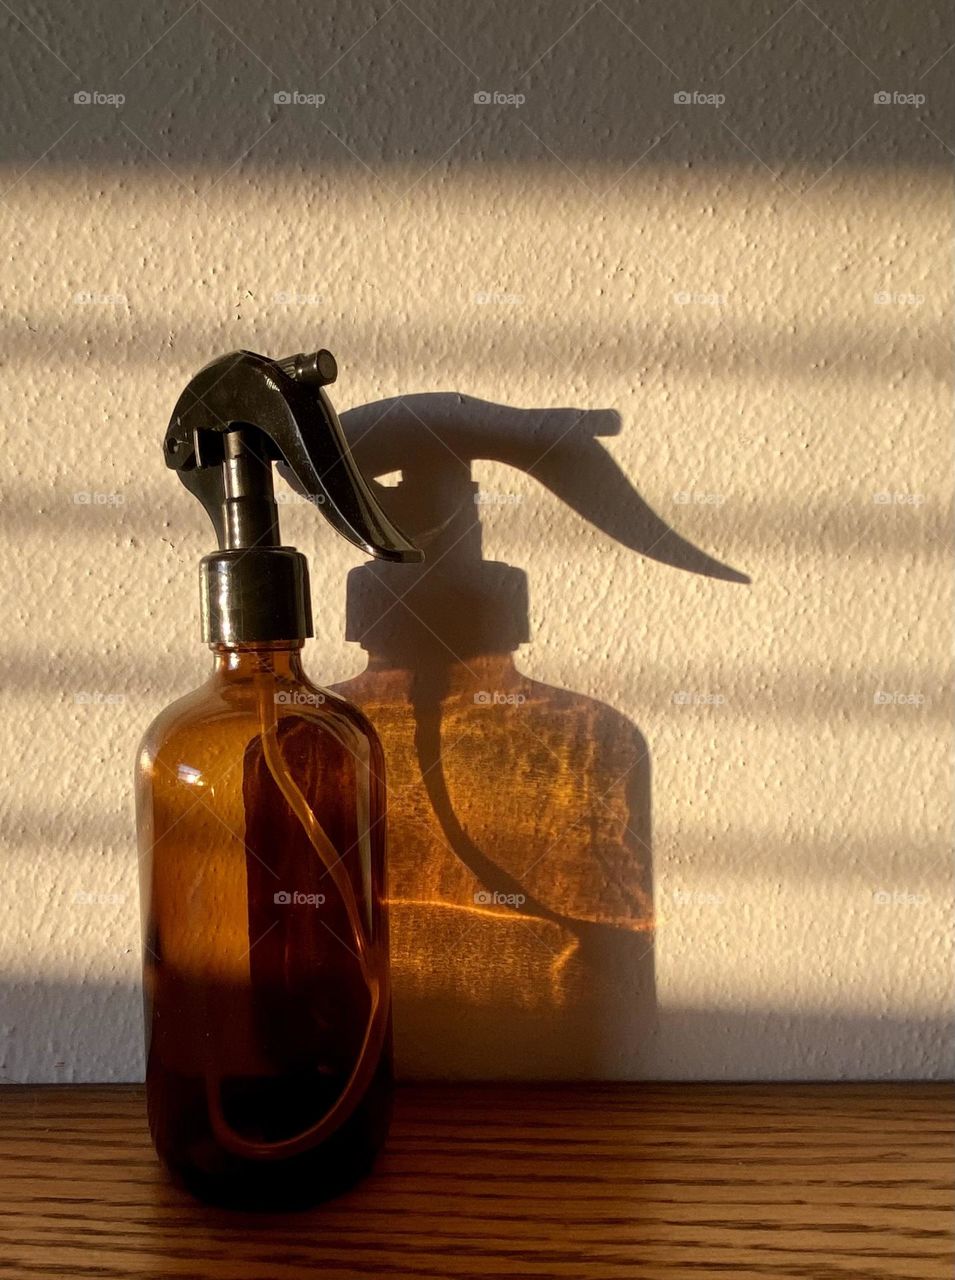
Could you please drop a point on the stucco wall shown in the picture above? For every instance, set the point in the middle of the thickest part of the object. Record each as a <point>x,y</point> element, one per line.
<point>758,288</point>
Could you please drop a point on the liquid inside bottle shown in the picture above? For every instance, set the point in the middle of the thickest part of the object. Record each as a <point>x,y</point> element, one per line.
<point>260,800</point>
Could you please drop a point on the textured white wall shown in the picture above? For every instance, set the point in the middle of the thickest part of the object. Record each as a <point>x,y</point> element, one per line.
<point>758,288</point>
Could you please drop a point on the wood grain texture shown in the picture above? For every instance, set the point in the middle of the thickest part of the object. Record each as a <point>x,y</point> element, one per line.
<point>814,1182</point>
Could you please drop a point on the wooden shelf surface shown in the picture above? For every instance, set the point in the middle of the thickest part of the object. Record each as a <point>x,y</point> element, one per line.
<point>610,1182</point>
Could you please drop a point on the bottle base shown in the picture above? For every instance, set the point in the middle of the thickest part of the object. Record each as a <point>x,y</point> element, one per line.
<point>187,1146</point>
<point>268,1190</point>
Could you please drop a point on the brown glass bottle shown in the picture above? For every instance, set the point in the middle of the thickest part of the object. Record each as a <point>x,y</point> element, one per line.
<point>260,802</point>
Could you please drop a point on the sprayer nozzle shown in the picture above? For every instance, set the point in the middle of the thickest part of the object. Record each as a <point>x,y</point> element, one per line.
<point>243,412</point>
<point>318,369</point>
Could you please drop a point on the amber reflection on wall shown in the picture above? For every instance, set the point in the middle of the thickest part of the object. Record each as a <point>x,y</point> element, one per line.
<point>520,876</point>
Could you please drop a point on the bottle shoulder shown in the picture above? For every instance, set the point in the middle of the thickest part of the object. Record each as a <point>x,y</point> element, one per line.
<point>337,704</point>
<point>191,709</point>
<point>221,713</point>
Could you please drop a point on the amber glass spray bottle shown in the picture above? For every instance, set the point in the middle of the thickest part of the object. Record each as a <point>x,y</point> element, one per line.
<point>260,805</point>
